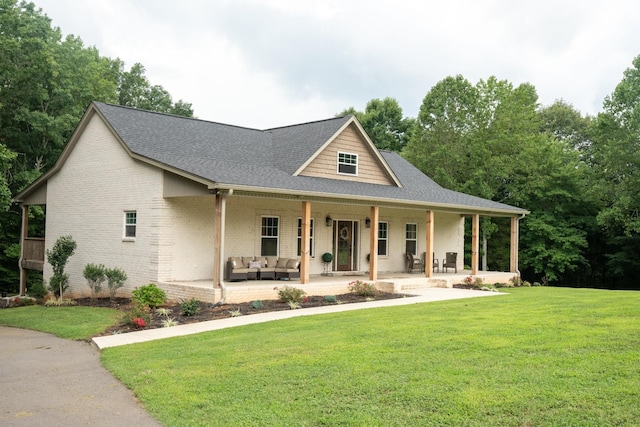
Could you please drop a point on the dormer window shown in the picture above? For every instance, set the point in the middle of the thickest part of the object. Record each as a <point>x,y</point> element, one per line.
<point>347,163</point>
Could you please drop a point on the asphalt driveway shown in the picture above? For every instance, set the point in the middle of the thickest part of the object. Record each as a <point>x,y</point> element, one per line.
<point>49,381</point>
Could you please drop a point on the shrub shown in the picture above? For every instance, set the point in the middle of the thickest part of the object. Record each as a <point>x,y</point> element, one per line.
<point>136,312</point>
<point>478,282</point>
<point>235,313</point>
<point>94,273</point>
<point>327,257</point>
<point>363,288</point>
<point>37,289</point>
<point>293,305</point>
<point>149,296</point>
<point>115,280</point>
<point>290,294</point>
<point>330,299</point>
<point>58,257</point>
<point>190,307</point>
<point>516,281</point>
<point>257,304</point>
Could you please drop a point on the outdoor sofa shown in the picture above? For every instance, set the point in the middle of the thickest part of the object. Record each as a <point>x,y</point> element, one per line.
<point>269,267</point>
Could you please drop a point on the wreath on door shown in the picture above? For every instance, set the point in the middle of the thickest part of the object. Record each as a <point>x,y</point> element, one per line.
<point>344,233</point>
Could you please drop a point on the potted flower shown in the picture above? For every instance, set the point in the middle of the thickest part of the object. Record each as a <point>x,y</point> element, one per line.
<point>326,260</point>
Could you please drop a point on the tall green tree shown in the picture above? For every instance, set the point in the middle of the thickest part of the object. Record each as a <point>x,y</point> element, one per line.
<point>384,122</point>
<point>486,140</point>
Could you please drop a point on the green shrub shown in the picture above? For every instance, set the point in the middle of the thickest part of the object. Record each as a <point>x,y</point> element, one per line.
<point>330,299</point>
<point>290,294</point>
<point>94,273</point>
<point>115,280</point>
<point>190,307</point>
<point>149,296</point>
<point>363,288</point>
<point>37,289</point>
<point>257,304</point>
<point>58,257</point>
<point>137,312</point>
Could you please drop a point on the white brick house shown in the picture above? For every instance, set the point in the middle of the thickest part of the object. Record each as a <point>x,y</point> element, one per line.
<point>169,199</point>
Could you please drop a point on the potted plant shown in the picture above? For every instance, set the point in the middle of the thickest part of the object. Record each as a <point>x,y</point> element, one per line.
<point>327,258</point>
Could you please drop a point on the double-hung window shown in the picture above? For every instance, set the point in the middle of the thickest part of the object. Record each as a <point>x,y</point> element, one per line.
<point>383,239</point>
<point>269,236</point>
<point>347,163</point>
<point>130,225</point>
<point>411,239</point>
<point>311,227</point>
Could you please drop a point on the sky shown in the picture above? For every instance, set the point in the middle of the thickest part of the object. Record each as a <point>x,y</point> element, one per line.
<point>269,63</point>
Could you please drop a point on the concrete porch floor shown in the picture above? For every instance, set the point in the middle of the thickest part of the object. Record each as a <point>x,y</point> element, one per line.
<point>335,284</point>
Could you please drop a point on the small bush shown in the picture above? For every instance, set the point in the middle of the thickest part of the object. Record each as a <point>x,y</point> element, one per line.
<point>94,273</point>
<point>190,307</point>
<point>330,299</point>
<point>137,312</point>
<point>235,313</point>
<point>293,305</point>
<point>115,280</point>
<point>37,289</point>
<point>257,304</point>
<point>59,302</point>
<point>149,295</point>
<point>290,294</point>
<point>363,288</point>
<point>516,281</point>
<point>58,257</point>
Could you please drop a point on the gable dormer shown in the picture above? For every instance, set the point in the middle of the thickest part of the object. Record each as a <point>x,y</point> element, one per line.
<point>349,156</point>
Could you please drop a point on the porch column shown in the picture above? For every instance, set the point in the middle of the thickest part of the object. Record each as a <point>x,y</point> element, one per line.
<point>23,235</point>
<point>515,237</point>
<point>218,261</point>
<point>428,259</point>
<point>475,242</point>
<point>304,242</point>
<point>373,244</point>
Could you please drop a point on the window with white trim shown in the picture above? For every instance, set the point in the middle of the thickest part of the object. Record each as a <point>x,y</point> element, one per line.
<point>130,224</point>
<point>347,163</point>
<point>269,236</point>
<point>411,239</point>
<point>311,227</point>
<point>383,239</point>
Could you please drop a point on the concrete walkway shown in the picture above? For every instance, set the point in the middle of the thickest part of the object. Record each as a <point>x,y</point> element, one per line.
<point>421,296</point>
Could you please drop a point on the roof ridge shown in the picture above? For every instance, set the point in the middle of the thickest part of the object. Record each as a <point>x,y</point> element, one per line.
<point>177,116</point>
<point>308,123</point>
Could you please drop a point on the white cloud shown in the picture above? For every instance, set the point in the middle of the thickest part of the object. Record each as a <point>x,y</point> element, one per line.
<point>264,63</point>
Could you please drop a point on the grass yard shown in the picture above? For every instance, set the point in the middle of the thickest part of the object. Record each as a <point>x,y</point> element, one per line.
<point>536,357</point>
<point>74,323</point>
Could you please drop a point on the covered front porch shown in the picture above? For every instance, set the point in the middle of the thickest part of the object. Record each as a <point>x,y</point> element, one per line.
<point>335,284</point>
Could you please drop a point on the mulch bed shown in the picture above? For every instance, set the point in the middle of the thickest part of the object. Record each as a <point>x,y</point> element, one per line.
<point>208,311</point>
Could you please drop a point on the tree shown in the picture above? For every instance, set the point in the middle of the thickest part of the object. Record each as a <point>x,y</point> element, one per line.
<point>135,90</point>
<point>6,160</point>
<point>384,123</point>
<point>58,257</point>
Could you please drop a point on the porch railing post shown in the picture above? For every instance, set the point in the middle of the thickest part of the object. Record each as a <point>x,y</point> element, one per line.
<point>373,244</point>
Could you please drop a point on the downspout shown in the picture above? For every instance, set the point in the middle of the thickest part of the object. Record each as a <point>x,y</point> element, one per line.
<point>518,263</point>
<point>223,286</point>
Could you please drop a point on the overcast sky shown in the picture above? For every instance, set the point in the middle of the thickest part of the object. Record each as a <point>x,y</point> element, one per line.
<point>267,63</point>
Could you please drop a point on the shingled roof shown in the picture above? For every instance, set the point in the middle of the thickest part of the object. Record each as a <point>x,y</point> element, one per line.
<point>265,160</point>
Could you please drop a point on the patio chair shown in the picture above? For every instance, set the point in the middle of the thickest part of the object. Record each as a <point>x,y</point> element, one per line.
<point>450,261</point>
<point>414,263</point>
<point>435,264</point>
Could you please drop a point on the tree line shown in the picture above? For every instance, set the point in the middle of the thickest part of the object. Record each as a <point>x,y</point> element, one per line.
<point>577,175</point>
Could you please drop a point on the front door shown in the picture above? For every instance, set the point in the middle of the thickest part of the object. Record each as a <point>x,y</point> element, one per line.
<point>344,238</point>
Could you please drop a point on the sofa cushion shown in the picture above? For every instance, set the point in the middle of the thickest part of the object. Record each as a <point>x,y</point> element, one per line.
<point>282,262</point>
<point>262,260</point>
<point>236,261</point>
<point>272,261</point>
<point>293,264</point>
<point>246,261</point>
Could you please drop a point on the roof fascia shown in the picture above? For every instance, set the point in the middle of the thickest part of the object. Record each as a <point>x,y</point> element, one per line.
<point>364,135</point>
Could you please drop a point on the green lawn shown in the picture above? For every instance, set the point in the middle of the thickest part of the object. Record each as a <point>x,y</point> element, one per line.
<point>536,357</point>
<point>74,323</point>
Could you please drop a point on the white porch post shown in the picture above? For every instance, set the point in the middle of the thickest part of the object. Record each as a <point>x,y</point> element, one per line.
<point>304,243</point>
<point>373,244</point>
<point>23,235</point>
<point>475,242</point>
<point>218,232</point>
<point>428,268</point>
<point>515,237</point>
